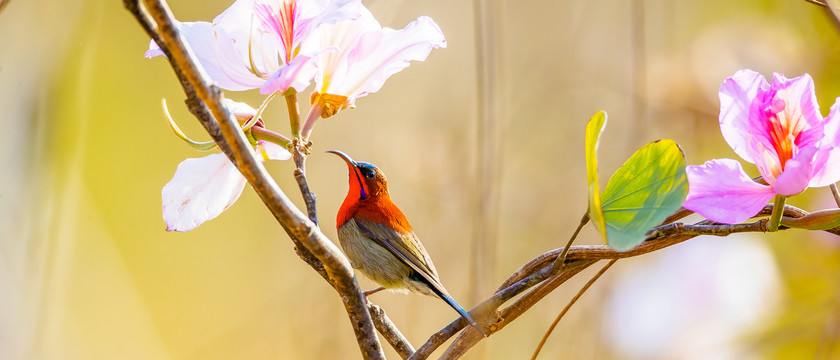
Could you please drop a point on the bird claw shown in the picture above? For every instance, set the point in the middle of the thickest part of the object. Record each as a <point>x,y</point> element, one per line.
<point>367,293</point>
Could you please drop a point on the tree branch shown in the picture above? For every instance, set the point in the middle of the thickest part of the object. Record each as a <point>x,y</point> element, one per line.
<point>569,306</point>
<point>541,272</point>
<point>390,332</point>
<point>205,101</point>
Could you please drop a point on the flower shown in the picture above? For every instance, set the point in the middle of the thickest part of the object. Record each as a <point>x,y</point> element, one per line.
<point>266,44</point>
<point>202,188</point>
<point>776,126</point>
<point>366,54</point>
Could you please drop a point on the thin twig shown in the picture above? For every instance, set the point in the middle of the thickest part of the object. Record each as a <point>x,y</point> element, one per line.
<point>299,153</point>
<point>470,336</point>
<point>539,272</point>
<point>224,129</point>
<point>817,2</point>
<point>562,258</point>
<point>569,306</point>
<point>390,332</point>
<point>835,193</point>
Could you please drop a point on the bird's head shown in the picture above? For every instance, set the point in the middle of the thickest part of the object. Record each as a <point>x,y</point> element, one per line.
<point>366,180</point>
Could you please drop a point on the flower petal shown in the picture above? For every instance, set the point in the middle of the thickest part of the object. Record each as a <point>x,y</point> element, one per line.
<point>274,151</point>
<point>239,109</point>
<point>721,191</point>
<point>784,115</point>
<point>794,179</point>
<point>296,74</point>
<point>736,95</point>
<point>218,53</point>
<point>363,64</point>
<point>827,161</point>
<point>802,110</point>
<point>201,189</point>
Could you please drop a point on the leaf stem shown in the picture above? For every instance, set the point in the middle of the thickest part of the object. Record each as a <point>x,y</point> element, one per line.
<point>562,258</point>
<point>776,215</point>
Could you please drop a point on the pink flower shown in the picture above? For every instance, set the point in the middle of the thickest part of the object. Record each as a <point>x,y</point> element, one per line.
<point>266,44</point>
<point>365,55</point>
<point>202,188</point>
<point>776,126</point>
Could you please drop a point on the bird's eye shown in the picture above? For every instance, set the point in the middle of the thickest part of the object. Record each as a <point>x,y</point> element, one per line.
<point>370,174</point>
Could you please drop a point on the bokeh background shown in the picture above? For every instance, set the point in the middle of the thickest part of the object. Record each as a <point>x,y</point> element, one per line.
<point>491,162</point>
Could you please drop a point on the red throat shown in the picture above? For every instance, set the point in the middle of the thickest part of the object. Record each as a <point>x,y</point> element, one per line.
<point>376,206</point>
<point>355,193</point>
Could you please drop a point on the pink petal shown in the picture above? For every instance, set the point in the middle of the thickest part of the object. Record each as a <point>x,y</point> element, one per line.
<point>199,191</point>
<point>296,74</point>
<point>154,50</point>
<point>721,191</point>
<point>794,179</point>
<point>800,112</point>
<point>827,161</point>
<point>736,94</point>
<point>802,107</point>
<point>363,67</point>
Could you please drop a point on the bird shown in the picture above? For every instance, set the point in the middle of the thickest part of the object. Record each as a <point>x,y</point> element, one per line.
<point>379,241</point>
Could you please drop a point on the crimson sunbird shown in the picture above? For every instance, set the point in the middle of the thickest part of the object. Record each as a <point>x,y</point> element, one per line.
<point>380,242</point>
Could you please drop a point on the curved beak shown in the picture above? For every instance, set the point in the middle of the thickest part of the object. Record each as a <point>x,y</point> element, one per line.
<point>344,156</point>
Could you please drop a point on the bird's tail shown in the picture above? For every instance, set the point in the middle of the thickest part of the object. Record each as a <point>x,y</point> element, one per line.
<point>454,304</point>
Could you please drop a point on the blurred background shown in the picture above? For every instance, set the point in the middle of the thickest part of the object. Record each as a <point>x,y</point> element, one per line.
<point>484,154</point>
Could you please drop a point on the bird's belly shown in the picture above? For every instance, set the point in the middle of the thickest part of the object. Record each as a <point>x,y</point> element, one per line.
<point>373,260</point>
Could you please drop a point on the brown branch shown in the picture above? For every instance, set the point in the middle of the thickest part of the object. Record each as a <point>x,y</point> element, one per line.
<point>470,336</point>
<point>299,153</point>
<point>541,271</point>
<point>569,306</point>
<point>390,332</point>
<point>205,101</point>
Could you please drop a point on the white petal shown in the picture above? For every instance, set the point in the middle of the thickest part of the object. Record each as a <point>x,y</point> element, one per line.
<point>363,64</point>
<point>199,191</point>
<point>240,109</point>
<point>274,151</point>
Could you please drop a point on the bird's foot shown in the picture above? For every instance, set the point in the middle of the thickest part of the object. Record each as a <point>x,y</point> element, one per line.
<point>373,291</point>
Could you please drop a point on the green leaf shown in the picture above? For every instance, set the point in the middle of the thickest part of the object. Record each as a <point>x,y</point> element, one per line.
<point>593,134</point>
<point>648,188</point>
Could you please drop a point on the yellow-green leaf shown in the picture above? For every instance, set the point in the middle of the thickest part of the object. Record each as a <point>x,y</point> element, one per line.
<point>593,134</point>
<point>648,188</point>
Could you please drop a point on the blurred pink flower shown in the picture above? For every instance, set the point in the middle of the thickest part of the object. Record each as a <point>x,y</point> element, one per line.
<point>776,126</point>
<point>266,44</point>
<point>202,188</point>
<point>365,55</point>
